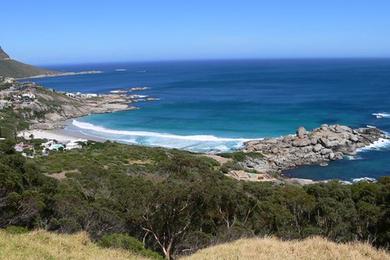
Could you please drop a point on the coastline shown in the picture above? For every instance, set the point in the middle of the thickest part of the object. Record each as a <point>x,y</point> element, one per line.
<point>275,155</point>
<point>66,134</point>
<point>62,74</point>
<point>60,134</point>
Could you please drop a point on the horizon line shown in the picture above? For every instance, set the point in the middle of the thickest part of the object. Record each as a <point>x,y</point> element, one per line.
<point>213,60</point>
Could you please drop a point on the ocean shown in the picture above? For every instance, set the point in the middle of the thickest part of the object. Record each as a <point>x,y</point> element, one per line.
<point>214,106</point>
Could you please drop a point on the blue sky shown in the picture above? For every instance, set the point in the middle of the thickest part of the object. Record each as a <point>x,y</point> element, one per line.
<point>50,32</point>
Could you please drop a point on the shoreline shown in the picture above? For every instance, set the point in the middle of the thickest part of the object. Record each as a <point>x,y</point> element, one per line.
<point>59,134</point>
<point>317,147</point>
<point>64,134</point>
<point>62,74</point>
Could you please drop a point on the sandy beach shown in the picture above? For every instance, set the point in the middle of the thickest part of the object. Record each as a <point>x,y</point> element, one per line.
<point>61,135</point>
<point>47,134</point>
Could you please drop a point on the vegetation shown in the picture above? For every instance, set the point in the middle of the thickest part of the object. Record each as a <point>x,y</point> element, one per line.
<point>177,202</point>
<point>11,123</point>
<point>128,243</point>
<point>47,245</point>
<point>240,156</point>
<point>272,248</point>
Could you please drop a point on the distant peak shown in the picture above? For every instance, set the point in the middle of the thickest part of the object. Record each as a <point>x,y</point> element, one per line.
<point>3,55</point>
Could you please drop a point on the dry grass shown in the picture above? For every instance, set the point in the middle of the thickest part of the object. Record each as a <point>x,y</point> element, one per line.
<point>271,248</point>
<point>45,245</point>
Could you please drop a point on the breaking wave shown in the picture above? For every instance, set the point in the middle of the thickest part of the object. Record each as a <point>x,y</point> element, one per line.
<point>381,115</point>
<point>377,145</point>
<point>366,179</point>
<point>353,157</point>
<point>196,143</point>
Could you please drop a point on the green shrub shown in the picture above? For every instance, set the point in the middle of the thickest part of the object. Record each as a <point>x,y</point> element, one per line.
<point>129,243</point>
<point>240,156</point>
<point>16,230</point>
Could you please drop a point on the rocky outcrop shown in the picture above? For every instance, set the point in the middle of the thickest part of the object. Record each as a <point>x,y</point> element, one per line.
<point>46,109</point>
<point>324,144</point>
<point>67,108</point>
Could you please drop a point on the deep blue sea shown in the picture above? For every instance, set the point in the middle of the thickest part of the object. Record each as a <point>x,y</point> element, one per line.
<point>216,105</point>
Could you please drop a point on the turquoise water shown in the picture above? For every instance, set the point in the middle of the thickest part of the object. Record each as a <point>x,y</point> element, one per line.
<point>217,105</point>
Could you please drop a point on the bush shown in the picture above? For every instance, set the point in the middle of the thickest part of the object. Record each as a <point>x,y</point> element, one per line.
<point>16,230</point>
<point>240,156</point>
<point>129,243</point>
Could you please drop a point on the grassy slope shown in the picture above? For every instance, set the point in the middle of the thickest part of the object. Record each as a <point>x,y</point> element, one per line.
<point>272,249</point>
<point>16,69</point>
<point>45,245</point>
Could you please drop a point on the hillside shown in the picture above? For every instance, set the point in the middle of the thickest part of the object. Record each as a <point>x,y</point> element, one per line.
<point>273,249</point>
<point>46,245</point>
<point>16,69</point>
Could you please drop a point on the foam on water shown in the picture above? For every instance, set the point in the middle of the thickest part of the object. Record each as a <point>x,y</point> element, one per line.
<point>353,157</point>
<point>381,115</point>
<point>198,143</point>
<point>377,145</point>
<point>366,179</point>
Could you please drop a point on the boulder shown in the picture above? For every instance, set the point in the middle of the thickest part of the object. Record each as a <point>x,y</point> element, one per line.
<point>354,138</point>
<point>326,151</point>
<point>324,127</point>
<point>342,128</point>
<point>317,148</point>
<point>338,156</point>
<point>301,132</point>
<point>324,142</point>
<point>301,142</point>
<point>330,144</point>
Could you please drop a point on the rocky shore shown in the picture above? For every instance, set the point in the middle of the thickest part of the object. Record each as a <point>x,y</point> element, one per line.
<point>78,107</point>
<point>320,146</point>
<point>44,108</point>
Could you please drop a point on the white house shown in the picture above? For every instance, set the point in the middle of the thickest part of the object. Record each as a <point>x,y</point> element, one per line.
<point>75,144</point>
<point>52,145</point>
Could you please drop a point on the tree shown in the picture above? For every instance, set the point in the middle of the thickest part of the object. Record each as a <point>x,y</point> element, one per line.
<point>168,214</point>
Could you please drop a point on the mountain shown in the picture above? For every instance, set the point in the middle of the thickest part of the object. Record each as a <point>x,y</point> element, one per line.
<point>3,55</point>
<point>16,69</point>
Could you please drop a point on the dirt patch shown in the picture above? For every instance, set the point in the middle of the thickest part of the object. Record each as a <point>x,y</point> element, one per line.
<point>221,160</point>
<point>247,176</point>
<point>141,162</point>
<point>61,175</point>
